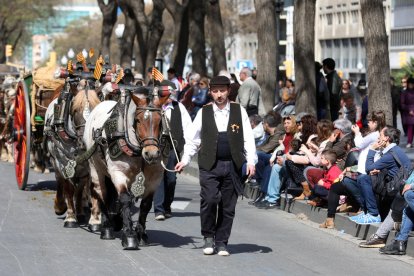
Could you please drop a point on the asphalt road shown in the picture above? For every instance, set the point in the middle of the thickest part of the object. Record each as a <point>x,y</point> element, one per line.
<point>263,242</point>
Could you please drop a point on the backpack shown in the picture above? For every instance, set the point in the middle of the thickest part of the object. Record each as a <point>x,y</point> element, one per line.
<point>393,186</point>
<point>385,185</point>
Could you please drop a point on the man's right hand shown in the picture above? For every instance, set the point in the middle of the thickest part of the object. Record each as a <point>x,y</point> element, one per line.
<point>180,166</point>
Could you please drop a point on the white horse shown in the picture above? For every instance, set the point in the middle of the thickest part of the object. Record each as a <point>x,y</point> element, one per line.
<point>143,130</point>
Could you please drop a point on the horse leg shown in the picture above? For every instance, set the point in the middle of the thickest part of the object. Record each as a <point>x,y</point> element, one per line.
<point>60,203</point>
<point>70,220</point>
<point>97,197</point>
<point>129,237</point>
<point>80,214</point>
<point>145,207</point>
<point>10,152</point>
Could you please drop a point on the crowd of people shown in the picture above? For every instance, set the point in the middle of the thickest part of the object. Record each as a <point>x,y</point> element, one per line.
<point>342,158</point>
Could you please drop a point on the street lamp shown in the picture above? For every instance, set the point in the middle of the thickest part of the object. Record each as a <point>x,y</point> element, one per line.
<point>64,60</point>
<point>71,53</point>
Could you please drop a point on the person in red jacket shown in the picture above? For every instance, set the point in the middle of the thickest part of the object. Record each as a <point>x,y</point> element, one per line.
<point>330,176</point>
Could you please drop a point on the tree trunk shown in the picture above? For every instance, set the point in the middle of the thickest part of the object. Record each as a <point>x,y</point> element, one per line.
<point>378,66</point>
<point>128,37</point>
<point>155,35</point>
<point>266,51</point>
<point>179,14</point>
<point>218,51</point>
<point>304,52</point>
<point>109,19</point>
<point>197,41</point>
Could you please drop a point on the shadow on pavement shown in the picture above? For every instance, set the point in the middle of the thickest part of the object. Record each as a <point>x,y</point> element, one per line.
<point>248,248</point>
<point>185,214</point>
<point>168,239</point>
<point>42,185</point>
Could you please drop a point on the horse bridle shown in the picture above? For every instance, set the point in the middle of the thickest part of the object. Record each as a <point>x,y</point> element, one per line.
<point>148,112</point>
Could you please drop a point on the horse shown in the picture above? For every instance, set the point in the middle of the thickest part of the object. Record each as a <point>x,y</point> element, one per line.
<point>8,93</point>
<point>65,148</point>
<point>143,126</point>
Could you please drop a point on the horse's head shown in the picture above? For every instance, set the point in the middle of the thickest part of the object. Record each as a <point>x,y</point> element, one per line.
<point>148,123</point>
<point>85,99</point>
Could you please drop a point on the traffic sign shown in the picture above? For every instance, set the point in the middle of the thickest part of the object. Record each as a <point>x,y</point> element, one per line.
<point>240,64</point>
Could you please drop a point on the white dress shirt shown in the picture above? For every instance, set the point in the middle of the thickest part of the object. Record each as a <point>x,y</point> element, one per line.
<point>221,117</point>
<point>364,143</point>
<point>185,118</point>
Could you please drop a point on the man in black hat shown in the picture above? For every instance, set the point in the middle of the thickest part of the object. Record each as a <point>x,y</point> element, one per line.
<point>222,136</point>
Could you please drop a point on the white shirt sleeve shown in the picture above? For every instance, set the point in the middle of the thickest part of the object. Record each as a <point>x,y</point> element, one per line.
<point>192,139</point>
<point>186,122</point>
<point>364,142</point>
<point>249,144</point>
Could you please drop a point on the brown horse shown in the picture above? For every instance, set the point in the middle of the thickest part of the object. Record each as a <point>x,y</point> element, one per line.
<point>144,132</point>
<point>63,148</point>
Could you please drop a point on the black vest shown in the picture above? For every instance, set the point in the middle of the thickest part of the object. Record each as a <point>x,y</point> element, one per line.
<point>176,126</point>
<point>207,156</point>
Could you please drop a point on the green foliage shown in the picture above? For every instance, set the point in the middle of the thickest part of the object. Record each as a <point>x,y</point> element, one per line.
<point>406,71</point>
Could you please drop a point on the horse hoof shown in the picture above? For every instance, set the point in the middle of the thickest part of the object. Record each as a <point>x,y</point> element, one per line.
<point>94,227</point>
<point>107,233</point>
<point>129,242</point>
<point>143,241</point>
<point>70,224</point>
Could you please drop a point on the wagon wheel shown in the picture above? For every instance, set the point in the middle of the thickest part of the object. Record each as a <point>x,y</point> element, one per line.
<point>21,134</point>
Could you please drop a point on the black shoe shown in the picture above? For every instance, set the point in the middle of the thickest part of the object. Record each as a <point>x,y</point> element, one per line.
<point>373,242</point>
<point>260,198</point>
<point>262,204</point>
<point>273,205</point>
<point>208,248</point>
<point>395,248</point>
<point>168,214</point>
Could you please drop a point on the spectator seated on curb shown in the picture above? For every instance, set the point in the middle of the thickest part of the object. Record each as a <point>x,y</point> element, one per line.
<point>354,166</point>
<point>387,148</point>
<point>260,135</point>
<point>340,142</point>
<point>399,245</point>
<point>271,198</point>
<point>329,178</point>
<point>271,124</point>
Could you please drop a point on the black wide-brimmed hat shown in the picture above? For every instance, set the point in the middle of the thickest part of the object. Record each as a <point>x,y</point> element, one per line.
<point>219,80</point>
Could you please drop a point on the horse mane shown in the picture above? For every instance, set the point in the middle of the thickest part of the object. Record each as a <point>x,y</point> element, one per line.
<point>80,100</point>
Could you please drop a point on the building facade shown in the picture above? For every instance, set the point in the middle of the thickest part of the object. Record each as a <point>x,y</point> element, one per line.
<point>401,45</point>
<point>241,48</point>
<point>339,34</point>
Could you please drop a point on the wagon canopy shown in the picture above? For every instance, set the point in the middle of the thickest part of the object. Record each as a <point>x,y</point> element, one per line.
<point>44,77</point>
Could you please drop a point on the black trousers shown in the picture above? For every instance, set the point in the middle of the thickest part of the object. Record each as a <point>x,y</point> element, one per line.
<point>334,194</point>
<point>218,201</point>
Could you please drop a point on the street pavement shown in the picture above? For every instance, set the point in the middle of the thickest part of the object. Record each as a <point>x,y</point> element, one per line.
<point>263,242</point>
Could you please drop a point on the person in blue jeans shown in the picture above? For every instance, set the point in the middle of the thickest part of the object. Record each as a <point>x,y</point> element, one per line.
<point>399,244</point>
<point>388,141</point>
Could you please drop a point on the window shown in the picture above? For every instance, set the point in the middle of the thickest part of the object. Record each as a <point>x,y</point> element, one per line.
<point>339,17</point>
<point>329,19</point>
<point>344,17</point>
<point>354,15</point>
<point>345,53</point>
